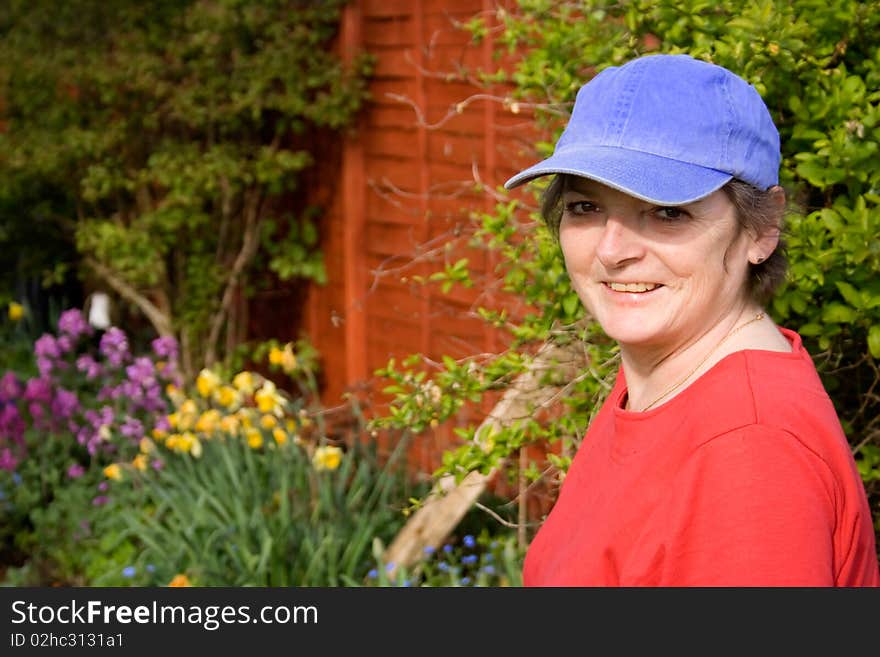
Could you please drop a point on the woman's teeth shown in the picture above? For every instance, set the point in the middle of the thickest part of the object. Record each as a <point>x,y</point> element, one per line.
<point>632,287</point>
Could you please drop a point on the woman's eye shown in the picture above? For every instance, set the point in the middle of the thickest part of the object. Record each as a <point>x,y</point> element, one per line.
<point>670,214</point>
<point>579,207</point>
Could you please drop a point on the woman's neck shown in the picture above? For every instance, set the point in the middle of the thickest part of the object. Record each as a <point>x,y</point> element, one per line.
<point>657,373</point>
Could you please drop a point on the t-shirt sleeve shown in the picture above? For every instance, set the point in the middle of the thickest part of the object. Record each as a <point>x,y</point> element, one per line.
<point>751,507</point>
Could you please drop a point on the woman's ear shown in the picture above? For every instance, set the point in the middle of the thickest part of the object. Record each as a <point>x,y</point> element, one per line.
<point>764,244</point>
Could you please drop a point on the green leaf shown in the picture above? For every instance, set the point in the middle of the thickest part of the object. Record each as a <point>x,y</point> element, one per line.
<point>874,341</point>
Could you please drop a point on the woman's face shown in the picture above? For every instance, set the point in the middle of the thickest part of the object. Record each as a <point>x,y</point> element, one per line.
<point>653,277</point>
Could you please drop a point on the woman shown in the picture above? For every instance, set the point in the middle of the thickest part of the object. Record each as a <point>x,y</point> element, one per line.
<point>718,458</point>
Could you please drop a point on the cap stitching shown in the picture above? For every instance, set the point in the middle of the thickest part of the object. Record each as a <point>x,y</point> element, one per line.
<point>623,107</point>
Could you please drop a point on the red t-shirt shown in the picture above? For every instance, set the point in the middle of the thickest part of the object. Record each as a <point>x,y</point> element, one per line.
<point>745,478</point>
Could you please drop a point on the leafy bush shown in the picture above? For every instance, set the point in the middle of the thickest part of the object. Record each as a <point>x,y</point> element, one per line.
<point>172,164</point>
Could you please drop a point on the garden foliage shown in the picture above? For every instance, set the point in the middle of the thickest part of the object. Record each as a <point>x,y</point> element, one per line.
<point>115,471</point>
<point>817,65</point>
<point>165,140</point>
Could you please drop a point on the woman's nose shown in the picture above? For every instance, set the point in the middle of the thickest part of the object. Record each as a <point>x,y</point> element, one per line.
<point>619,243</point>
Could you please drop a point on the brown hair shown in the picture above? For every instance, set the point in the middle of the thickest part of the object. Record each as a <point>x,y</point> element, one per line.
<point>757,212</point>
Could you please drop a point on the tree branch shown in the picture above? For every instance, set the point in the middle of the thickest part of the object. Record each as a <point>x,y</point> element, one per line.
<point>249,244</point>
<point>160,321</point>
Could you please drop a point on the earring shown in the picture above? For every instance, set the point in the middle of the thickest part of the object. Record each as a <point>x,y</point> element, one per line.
<point>759,260</point>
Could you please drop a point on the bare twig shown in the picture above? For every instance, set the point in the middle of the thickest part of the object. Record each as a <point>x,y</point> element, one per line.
<point>160,321</point>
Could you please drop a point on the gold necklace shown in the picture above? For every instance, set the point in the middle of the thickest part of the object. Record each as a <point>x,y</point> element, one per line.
<point>705,358</point>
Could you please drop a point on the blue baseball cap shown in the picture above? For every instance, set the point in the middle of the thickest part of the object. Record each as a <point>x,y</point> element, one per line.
<point>667,129</point>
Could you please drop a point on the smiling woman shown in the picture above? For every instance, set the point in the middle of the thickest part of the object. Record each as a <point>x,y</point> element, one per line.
<point>718,458</point>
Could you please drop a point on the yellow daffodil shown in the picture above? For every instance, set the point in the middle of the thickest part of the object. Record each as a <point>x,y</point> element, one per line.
<point>190,444</point>
<point>146,445</point>
<point>207,382</point>
<point>268,422</point>
<point>230,424</point>
<point>179,580</point>
<point>187,415</point>
<point>158,433</point>
<point>268,399</point>
<point>276,356</point>
<point>16,311</point>
<point>288,359</point>
<point>140,462</point>
<point>245,416</point>
<point>113,471</point>
<point>208,421</point>
<point>226,396</point>
<point>254,438</point>
<point>280,435</point>
<point>244,382</point>
<point>327,457</point>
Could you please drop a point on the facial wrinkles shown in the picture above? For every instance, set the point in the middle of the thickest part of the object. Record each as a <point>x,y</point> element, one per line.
<point>686,256</point>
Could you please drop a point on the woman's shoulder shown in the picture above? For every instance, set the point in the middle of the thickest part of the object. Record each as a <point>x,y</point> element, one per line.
<point>780,391</point>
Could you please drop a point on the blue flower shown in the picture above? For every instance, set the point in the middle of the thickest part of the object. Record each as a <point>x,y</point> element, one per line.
<point>373,574</point>
<point>447,548</point>
<point>465,581</point>
<point>469,541</point>
<point>129,571</point>
<point>406,582</point>
<point>469,558</point>
<point>429,549</point>
<point>489,570</point>
<point>389,566</point>
<point>443,566</point>
<point>488,557</point>
<point>16,478</point>
<point>151,568</point>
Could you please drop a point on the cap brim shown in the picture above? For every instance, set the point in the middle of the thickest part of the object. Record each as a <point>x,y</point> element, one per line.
<point>648,177</point>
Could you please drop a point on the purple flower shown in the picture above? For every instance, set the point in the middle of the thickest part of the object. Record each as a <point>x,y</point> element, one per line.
<point>132,428</point>
<point>11,424</point>
<point>38,414</point>
<point>46,346</point>
<point>89,366</point>
<point>114,346</point>
<point>65,403</point>
<point>10,387</point>
<point>73,324</point>
<point>8,461</point>
<point>65,344</point>
<point>75,471</point>
<point>38,390</point>
<point>100,500</point>
<point>142,372</point>
<point>103,486</point>
<point>165,347</point>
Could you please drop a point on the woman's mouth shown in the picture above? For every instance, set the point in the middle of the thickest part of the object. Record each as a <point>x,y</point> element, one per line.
<point>632,287</point>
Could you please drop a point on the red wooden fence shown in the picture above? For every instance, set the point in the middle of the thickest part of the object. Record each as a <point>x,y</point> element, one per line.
<point>404,181</point>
